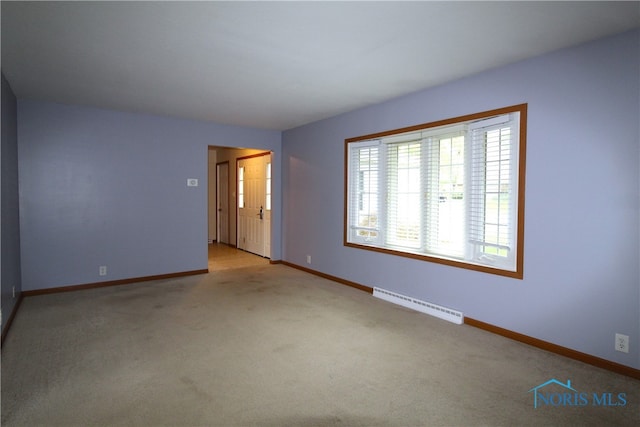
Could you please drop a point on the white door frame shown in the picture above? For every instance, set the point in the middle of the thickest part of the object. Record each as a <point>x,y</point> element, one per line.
<point>223,228</point>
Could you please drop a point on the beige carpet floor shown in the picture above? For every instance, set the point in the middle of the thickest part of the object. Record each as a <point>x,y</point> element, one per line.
<point>268,345</point>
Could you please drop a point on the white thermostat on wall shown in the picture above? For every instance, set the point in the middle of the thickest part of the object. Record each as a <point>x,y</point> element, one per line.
<point>192,182</point>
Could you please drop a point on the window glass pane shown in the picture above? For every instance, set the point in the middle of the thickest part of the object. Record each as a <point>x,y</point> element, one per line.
<point>491,209</point>
<point>268,189</point>
<point>241,187</point>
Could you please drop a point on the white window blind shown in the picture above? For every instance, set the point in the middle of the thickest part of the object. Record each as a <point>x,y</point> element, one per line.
<point>493,193</point>
<point>404,194</point>
<point>364,189</point>
<point>448,192</point>
<point>445,192</point>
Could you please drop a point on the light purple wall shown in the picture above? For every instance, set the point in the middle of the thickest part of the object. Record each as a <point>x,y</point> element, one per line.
<point>581,270</point>
<point>101,187</point>
<point>10,231</point>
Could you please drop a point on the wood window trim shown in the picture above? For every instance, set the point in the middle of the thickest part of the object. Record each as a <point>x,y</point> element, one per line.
<point>521,167</point>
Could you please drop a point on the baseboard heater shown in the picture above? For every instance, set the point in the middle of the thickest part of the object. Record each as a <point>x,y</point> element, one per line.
<point>419,305</point>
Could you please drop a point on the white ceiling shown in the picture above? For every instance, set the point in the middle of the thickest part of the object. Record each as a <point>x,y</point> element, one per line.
<point>276,65</point>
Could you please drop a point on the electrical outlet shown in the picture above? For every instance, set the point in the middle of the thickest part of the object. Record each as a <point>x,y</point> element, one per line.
<point>622,343</point>
<point>308,259</point>
<point>192,182</point>
<point>102,270</point>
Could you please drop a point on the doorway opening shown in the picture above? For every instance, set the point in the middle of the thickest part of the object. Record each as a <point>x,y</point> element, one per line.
<point>239,218</point>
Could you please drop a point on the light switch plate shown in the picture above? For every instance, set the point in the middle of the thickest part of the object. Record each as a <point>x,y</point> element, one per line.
<point>192,182</point>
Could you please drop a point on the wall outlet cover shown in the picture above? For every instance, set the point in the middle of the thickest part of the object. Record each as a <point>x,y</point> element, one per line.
<point>622,343</point>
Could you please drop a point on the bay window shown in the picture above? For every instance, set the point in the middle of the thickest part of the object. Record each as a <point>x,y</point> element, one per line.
<point>450,191</point>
